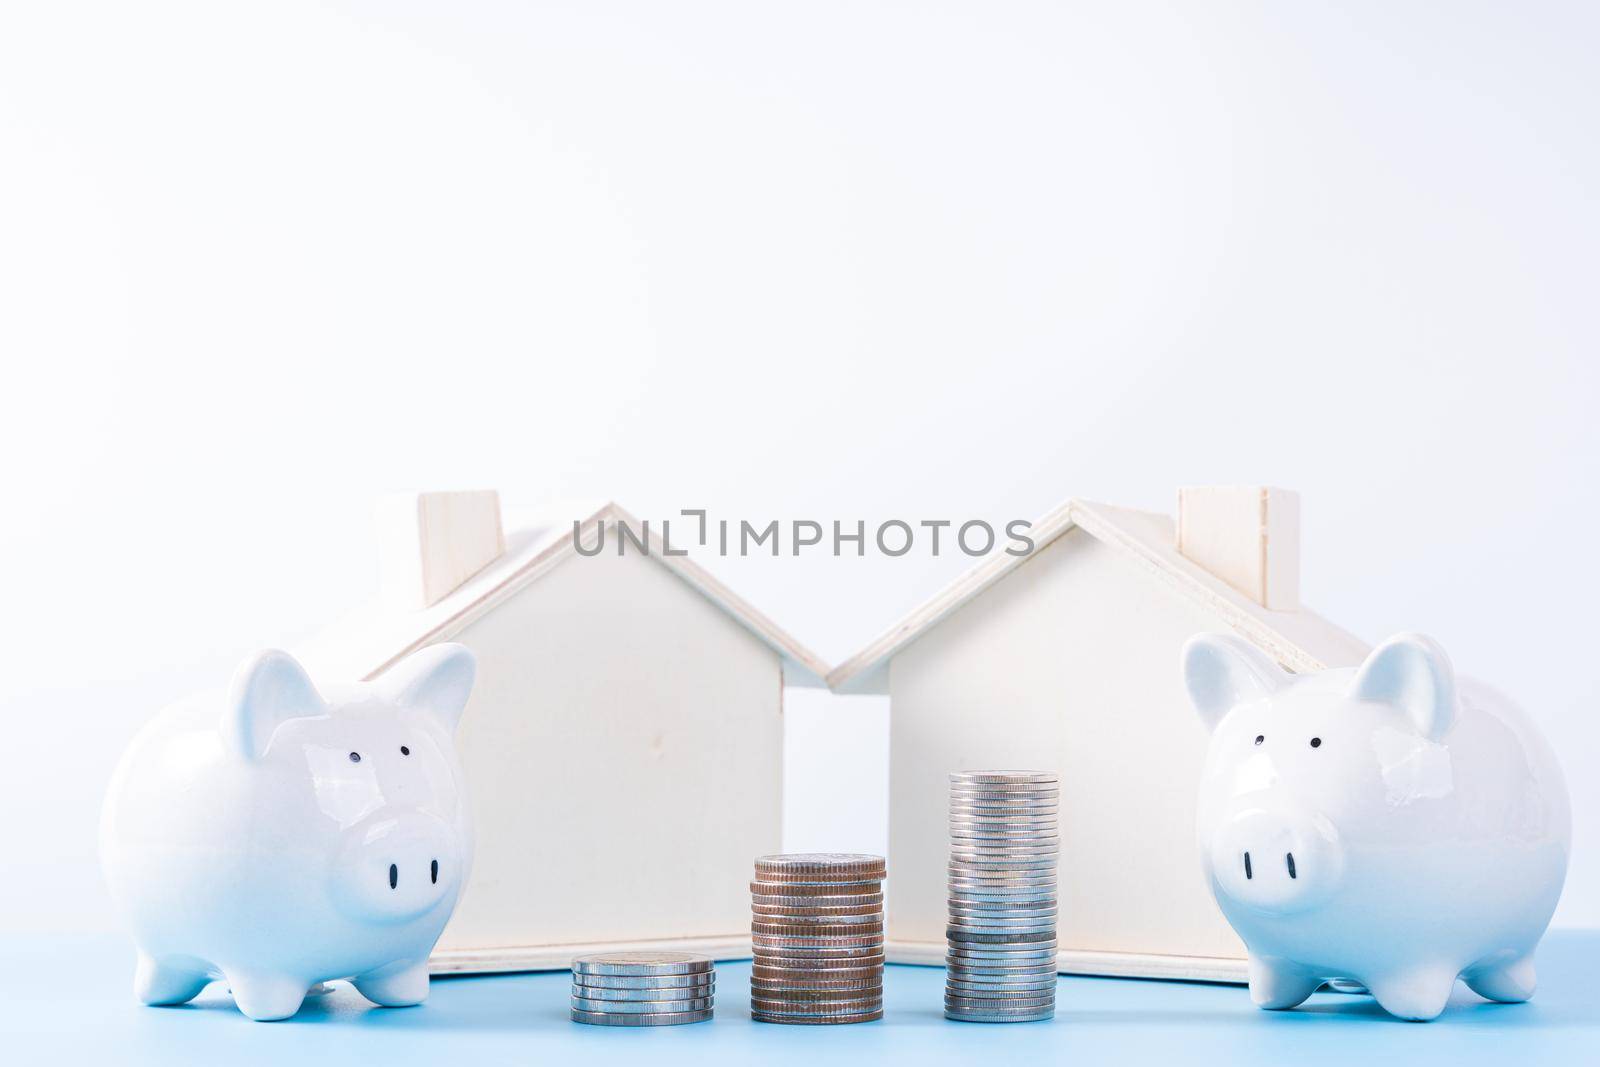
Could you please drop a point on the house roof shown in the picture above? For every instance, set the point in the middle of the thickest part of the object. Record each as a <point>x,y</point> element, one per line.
<point>1300,640</point>
<point>366,642</point>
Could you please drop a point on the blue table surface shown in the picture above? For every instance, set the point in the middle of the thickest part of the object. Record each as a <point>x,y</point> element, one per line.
<point>68,1000</point>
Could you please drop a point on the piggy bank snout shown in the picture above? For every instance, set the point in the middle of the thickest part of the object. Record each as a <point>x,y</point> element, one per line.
<point>1277,861</point>
<point>396,867</point>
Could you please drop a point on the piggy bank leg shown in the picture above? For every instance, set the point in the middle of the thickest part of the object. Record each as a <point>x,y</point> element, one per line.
<point>1276,985</point>
<point>159,983</point>
<point>266,997</point>
<point>396,986</point>
<point>1511,983</point>
<point>1418,995</point>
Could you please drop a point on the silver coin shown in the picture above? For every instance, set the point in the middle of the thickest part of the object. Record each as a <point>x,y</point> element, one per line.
<point>773,987</point>
<point>965,790</point>
<point>999,1003</point>
<point>1021,815</point>
<point>1045,863</point>
<point>980,903</point>
<point>585,992</point>
<point>815,977</point>
<point>983,987</point>
<point>962,790</point>
<point>982,932</point>
<point>810,890</point>
<point>1025,817</point>
<point>1042,920</point>
<point>637,1007</point>
<point>1002,982</point>
<point>865,913</point>
<point>1016,952</point>
<point>965,865</point>
<point>1002,909</point>
<point>982,936</point>
<point>837,933</point>
<point>1005,811</point>
<point>1009,957</point>
<point>967,928</point>
<point>858,1006</point>
<point>999,1017</point>
<point>1002,974</point>
<point>1007,842</point>
<point>1042,917</point>
<point>817,967</point>
<point>674,1018</point>
<point>1020,803</point>
<point>645,981</point>
<point>1047,877</point>
<point>790,960</point>
<point>819,900</point>
<point>641,963</point>
<point>1005,776</point>
<point>816,1020</point>
<point>1004,848</point>
<point>824,936</point>
<point>1044,890</point>
<point>990,802</point>
<point>826,918</point>
<point>854,865</point>
<point>1021,820</point>
<point>796,955</point>
<point>1005,897</point>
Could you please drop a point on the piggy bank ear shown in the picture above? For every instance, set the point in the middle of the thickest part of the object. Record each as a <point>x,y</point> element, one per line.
<point>1222,671</point>
<point>437,680</point>
<point>1412,673</point>
<point>268,690</point>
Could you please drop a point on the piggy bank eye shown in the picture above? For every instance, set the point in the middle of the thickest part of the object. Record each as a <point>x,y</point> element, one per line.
<point>1260,738</point>
<point>404,751</point>
<point>355,757</point>
<point>1316,742</point>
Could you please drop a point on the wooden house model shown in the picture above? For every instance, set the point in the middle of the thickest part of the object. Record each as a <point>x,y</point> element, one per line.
<point>623,745</point>
<point>1067,659</point>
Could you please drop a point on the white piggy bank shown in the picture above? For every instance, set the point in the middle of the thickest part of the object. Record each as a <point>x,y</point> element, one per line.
<point>276,840</point>
<point>1386,824</point>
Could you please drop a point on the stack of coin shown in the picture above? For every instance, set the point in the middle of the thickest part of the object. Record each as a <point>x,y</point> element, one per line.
<point>642,988</point>
<point>817,939</point>
<point>1001,962</point>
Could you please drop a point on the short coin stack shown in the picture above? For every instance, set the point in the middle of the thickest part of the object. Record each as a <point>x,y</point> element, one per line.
<point>642,988</point>
<point>1001,962</point>
<point>817,938</point>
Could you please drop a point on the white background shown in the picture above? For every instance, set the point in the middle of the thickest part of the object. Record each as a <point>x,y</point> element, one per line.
<point>259,263</point>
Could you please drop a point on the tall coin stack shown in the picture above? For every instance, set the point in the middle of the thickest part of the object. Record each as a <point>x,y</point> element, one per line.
<point>1000,965</point>
<point>817,938</point>
<point>642,988</point>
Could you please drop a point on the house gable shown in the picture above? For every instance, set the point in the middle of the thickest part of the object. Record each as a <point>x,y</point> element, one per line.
<point>610,697</point>
<point>1067,662</point>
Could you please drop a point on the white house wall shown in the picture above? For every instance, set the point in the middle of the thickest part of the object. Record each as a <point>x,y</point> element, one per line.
<point>623,751</point>
<point>1069,663</point>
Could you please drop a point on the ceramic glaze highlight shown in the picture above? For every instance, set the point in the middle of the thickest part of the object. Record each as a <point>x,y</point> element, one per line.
<point>277,840</point>
<point>1384,825</point>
